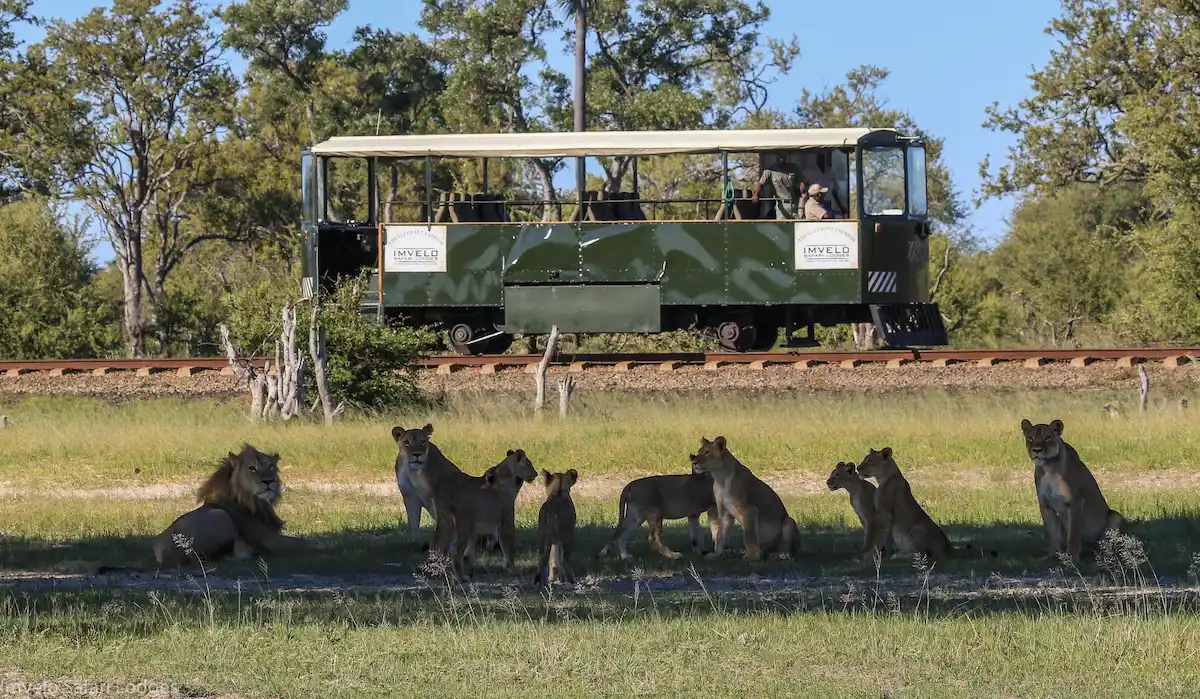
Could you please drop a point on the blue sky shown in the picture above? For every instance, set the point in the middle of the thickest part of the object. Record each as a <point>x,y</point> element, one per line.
<point>949,59</point>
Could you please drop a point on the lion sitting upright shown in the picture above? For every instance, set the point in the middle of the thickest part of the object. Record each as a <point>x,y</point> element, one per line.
<point>741,496</point>
<point>862,499</point>
<point>1074,510</point>
<point>236,515</point>
<point>902,522</point>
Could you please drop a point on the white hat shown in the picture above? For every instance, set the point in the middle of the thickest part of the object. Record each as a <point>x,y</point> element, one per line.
<point>816,188</point>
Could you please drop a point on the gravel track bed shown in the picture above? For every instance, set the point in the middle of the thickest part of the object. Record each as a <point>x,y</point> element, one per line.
<point>649,379</point>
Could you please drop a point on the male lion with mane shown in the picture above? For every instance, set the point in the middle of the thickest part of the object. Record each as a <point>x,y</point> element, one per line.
<point>236,515</point>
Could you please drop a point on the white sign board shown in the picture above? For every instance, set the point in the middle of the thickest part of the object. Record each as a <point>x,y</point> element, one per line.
<point>826,245</point>
<point>415,249</point>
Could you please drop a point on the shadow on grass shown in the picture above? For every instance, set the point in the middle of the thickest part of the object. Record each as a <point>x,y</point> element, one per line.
<point>827,552</point>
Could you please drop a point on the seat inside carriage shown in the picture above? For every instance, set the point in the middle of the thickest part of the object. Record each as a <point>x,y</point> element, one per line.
<point>599,206</point>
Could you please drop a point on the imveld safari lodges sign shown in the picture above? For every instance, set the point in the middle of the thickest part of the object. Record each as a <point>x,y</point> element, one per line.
<point>415,249</point>
<point>826,245</point>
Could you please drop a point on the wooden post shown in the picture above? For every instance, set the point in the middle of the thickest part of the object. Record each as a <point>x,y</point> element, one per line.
<point>316,348</point>
<point>1145,387</point>
<point>539,401</point>
<point>244,370</point>
<point>566,387</point>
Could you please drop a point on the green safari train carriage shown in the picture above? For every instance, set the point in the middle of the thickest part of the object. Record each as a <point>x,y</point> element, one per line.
<point>483,267</point>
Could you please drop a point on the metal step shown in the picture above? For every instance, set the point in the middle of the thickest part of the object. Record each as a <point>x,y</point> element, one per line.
<point>910,325</point>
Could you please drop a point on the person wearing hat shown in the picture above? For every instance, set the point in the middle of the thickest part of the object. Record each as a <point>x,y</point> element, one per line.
<point>814,208</point>
<point>784,178</point>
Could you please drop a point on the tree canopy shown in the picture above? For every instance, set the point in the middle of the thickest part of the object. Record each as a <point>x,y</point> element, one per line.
<point>190,170</point>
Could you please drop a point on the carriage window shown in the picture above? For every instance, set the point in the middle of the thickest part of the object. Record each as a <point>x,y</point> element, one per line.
<point>308,187</point>
<point>883,181</point>
<point>347,200</point>
<point>918,202</point>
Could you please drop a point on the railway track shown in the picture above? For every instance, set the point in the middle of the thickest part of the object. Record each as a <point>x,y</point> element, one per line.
<point>445,364</point>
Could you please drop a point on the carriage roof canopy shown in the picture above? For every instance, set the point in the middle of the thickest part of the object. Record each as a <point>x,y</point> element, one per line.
<point>589,143</point>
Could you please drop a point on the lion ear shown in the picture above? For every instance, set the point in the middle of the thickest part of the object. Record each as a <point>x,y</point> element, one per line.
<point>396,432</point>
<point>546,476</point>
<point>520,453</point>
<point>720,442</point>
<point>704,442</point>
<point>887,453</point>
<point>1057,426</point>
<point>1026,425</point>
<point>428,428</point>
<point>510,452</point>
<point>574,475</point>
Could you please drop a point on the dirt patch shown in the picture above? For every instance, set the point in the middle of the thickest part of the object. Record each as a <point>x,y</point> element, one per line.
<point>609,487</point>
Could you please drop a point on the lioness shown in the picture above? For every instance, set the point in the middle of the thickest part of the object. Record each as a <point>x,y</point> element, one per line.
<point>470,507</point>
<point>862,499</point>
<point>419,467</point>
<point>237,514</point>
<point>1074,510</point>
<point>898,513</point>
<point>741,496</point>
<point>556,529</point>
<point>655,498</point>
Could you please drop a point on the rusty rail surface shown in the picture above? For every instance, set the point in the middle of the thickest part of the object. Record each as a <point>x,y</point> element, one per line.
<point>894,358</point>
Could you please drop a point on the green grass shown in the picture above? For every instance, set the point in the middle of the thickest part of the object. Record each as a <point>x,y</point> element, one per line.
<point>822,625</point>
<point>89,443</point>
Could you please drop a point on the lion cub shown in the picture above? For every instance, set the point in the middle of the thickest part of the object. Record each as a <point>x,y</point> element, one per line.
<point>556,529</point>
<point>655,498</point>
<point>474,507</point>
<point>862,499</point>
<point>1074,510</point>
<point>741,496</point>
<point>899,514</point>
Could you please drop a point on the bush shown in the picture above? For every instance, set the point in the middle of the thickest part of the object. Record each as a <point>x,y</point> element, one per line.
<point>368,365</point>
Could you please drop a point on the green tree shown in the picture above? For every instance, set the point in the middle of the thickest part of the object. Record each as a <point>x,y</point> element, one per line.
<point>149,95</point>
<point>12,124</point>
<point>285,40</point>
<point>44,281</point>
<point>1067,260</point>
<point>1116,103</point>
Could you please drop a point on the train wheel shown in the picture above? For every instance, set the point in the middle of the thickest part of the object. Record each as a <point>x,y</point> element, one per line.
<point>461,335</point>
<point>736,336</point>
<point>765,336</point>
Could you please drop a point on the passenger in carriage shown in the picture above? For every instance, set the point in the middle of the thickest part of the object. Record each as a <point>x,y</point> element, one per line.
<point>818,172</point>
<point>814,206</point>
<point>785,179</point>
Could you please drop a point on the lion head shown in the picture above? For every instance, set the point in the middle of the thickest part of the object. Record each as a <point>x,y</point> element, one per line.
<point>559,484</point>
<point>516,465</point>
<point>877,464</point>
<point>413,446</point>
<point>711,456</point>
<point>841,474</point>
<point>1042,441</point>
<point>249,479</point>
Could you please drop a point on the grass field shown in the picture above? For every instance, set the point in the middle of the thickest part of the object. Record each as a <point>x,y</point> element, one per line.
<point>85,483</point>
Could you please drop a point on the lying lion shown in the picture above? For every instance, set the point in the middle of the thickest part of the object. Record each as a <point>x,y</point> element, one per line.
<point>236,515</point>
